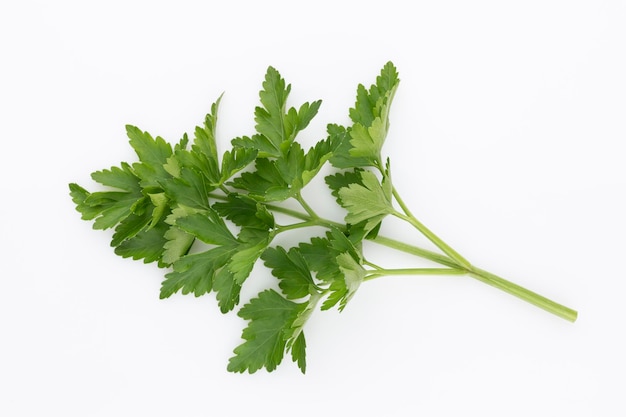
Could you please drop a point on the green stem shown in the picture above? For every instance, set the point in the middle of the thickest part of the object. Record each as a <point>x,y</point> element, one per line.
<point>372,265</point>
<point>306,206</point>
<point>414,250</point>
<point>319,221</point>
<point>409,217</point>
<point>461,261</point>
<point>524,294</point>
<point>413,271</point>
<point>309,223</point>
<point>486,277</point>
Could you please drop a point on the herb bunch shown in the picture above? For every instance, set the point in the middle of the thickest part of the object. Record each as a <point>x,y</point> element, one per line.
<point>208,217</point>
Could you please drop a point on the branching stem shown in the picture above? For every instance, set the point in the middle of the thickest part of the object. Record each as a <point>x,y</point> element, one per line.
<point>410,218</point>
<point>455,264</point>
<point>306,206</point>
<point>486,277</point>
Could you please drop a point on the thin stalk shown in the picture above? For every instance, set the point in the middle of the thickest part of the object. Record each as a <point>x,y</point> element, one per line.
<point>485,277</point>
<point>309,223</point>
<point>306,206</point>
<point>524,294</point>
<point>305,216</point>
<point>461,261</point>
<point>290,212</point>
<point>417,251</point>
<point>409,217</point>
<point>413,271</point>
<point>319,221</point>
<point>372,265</point>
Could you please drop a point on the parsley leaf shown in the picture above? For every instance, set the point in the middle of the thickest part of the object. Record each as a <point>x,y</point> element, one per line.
<point>191,189</point>
<point>178,243</point>
<point>292,270</point>
<point>147,245</point>
<point>245,211</point>
<point>194,273</point>
<point>278,126</point>
<point>271,318</point>
<point>153,154</point>
<point>207,226</point>
<point>242,262</point>
<point>337,262</point>
<point>367,201</point>
<point>370,117</point>
<point>234,161</point>
<point>135,222</point>
<point>108,208</point>
<point>284,177</point>
<point>204,141</point>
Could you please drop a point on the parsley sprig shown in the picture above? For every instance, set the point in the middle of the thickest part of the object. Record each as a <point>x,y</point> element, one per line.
<point>210,218</point>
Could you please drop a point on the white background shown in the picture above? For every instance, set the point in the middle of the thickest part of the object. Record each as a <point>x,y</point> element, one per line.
<point>507,140</point>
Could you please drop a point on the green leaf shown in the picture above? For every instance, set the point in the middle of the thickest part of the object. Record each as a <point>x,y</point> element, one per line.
<point>292,271</point>
<point>370,117</point>
<point>109,208</point>
<point>315,159</point>
<point>193,160</point>
<point>320,258</point>
<point>242,262</point>
<point>146,245</point>
<point>336,182</point>
<point>343,180</point>
<point>191,189</point>
<point>134,223</point>
<point>342,157</point>
<point>364,145</point>
<point>369,103</point>
<point>234,161</point>
<point>258,143</point>
<point>369,201</point>
<point>226,289</point>
<point>291,165</point>
<point>79,196</point>
<point>270,119</point>
<point>245,211</point>
<point>298,352</point>
<point>295,121</point>
<point>204,141</point>
<point>178,243</point>
<point>287,175</point>
<point>182,143</point>
<point>207,226</point>
<point>341,243</point>
<point>271,317</point>
<point>342,290</point>
<point>337,262</point>
<point>265,178</point>
<point>194,273</point>
<point>277,126</point>
<point>161,207</point>
<point>294,336</point>
<point>153,154</point>
<point>121,178</point>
